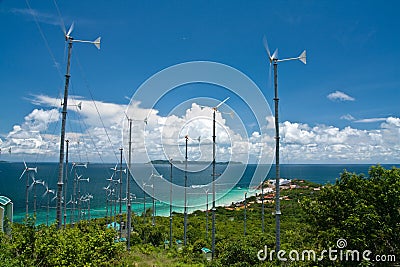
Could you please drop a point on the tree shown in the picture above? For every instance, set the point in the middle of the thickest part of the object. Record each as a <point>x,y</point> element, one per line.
<point>363,210</point>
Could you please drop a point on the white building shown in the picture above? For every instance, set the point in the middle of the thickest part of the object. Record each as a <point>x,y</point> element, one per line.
<point>6,213</point>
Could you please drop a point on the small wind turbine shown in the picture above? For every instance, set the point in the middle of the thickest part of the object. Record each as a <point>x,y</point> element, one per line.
<point>205,189</point>
<point>273,59</point>
<point>79,180</point>
<point>77,177</point>
<point>120,170</point>
<point>33,185</point>
<point>108,190</point>
<point>73,202</point>
<point>28,171</point>
<point>47,193</point>
<point>153,222</point>
<point>144,202</point>
<point>185,201</point>
<point>70,40</point>
<point>215,109</point>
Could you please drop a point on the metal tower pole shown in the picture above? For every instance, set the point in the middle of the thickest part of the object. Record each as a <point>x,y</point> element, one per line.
<point>74,198</point>
<point>262,206</point>
<point>277,170</point>
<point>153,219</point>
<point>63,122</point>
<point>66,185</point>
<point>213,186</point>
<point>207,215</point>
<point>170,204</point>
<point>128,189</point>
<point>144,204</point>
<point>27,195</point>
<point>120,194</point>
<point>245,207</point>
<point>185,208</point>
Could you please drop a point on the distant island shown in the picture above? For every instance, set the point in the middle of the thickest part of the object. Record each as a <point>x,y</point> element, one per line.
<point>162,161</point>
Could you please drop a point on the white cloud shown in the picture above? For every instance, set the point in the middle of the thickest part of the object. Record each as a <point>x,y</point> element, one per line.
<point>300,143</point>
<point>347,117</point>
<point>371,120</point>
<point>340,96</point>
<point>321,144</point>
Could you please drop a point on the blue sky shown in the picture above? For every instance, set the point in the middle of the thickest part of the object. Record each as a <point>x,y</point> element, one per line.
<point>342,107</point>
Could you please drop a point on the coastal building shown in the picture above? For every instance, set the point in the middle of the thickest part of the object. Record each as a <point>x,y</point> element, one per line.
<point>6,214</point>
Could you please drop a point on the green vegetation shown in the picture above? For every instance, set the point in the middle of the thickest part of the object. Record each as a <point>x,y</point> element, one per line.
<point>364,211</point>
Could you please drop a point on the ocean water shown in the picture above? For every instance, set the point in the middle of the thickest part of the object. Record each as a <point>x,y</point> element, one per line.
<point>15,188</point>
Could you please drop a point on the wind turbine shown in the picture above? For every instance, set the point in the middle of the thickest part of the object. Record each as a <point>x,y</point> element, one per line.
<point>128,184</point>
<point>33,185</point>
<point>144,202</point>
<point>206,192</point>
<point>77,177</point>
<point>273,59</point>
<point>120,170</point>
<point>213,177</point>
<point>73,202</point>
<point>215,109</point>
<point>153,221</point>
<point>48,192</point>
<point>79,180</point>
<point>185,201</point>
<point>108,193</point>
<point>27,170</point>
<point>70,40</point>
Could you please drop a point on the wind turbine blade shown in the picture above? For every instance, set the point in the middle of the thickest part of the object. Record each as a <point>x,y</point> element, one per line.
<point>265,42</point>
<point>70,29</point>
<point>31,186</point>
<point>303,57</point>
<point>226,99</point>
<point>22,174</point>
<point>97,42</point>
<point>275,54</point>
<point>26,167</point>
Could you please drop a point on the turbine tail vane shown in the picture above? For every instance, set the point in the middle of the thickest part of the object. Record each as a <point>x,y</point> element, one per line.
<point>303,57</point>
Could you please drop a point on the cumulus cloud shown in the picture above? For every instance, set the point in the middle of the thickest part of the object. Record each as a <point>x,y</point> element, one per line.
<point>302,143</point>
<point>162,137</point>
<point>339,96</point>
<point>28,137</point>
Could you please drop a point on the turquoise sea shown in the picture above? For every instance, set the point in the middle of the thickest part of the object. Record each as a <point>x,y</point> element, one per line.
<point>14,188</point>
